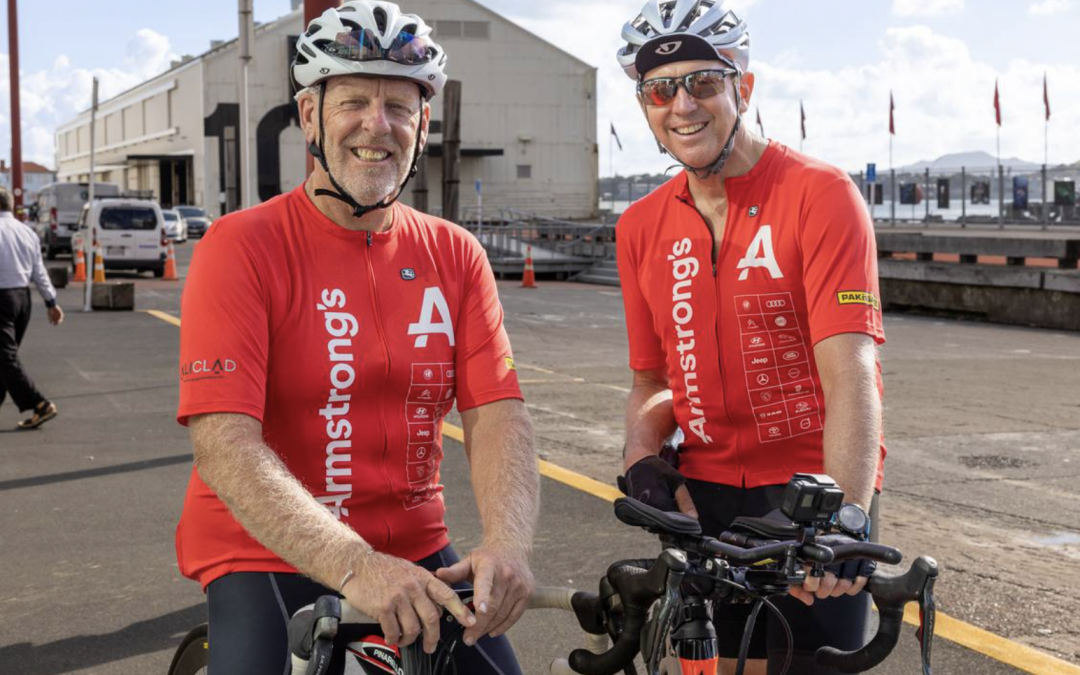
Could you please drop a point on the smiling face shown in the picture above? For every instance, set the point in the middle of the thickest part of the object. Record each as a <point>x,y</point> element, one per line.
<point>371,126</point>
<point>695,130</point>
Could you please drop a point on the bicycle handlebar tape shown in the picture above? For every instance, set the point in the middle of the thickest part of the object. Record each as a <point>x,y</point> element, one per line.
<point>638,589</point>
<point>890,594</point>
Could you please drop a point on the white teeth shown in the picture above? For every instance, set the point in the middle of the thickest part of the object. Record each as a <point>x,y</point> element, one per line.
<point>371,155</point>
<point>693,129</point>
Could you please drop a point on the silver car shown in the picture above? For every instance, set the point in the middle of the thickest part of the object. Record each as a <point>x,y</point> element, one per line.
<point>176,227</point>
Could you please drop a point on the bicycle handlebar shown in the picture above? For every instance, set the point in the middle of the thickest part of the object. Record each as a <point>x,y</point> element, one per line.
<point>890,594</point>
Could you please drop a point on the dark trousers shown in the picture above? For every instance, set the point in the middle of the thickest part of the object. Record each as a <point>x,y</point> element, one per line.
<point>14,318</point>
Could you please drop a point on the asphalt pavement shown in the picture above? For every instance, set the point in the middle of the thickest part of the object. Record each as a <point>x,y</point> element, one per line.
<point>88,504</point>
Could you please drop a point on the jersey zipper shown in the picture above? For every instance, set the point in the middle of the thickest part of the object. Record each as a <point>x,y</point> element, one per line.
<point>716,323</point>
<point>386,374</point>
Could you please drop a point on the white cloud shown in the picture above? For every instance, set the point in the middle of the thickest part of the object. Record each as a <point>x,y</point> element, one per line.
<point>1047,7</point>
<point>53,96</point>
<point>927,7</point>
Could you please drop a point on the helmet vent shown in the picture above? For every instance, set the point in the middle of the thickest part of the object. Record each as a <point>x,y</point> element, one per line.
<point>307,50</point>
<point>380,19</point>
<point>346,8</point>
<point>312,29</point>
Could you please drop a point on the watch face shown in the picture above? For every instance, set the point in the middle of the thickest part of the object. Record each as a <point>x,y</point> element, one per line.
<point>852,518</point>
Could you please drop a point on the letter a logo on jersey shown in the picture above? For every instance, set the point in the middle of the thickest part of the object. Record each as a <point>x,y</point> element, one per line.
<point>433,301</point>
<point>760,254</point>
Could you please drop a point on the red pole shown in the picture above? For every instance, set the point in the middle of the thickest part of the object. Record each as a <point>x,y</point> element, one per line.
<point>312,9</point>
<point>16,122</point>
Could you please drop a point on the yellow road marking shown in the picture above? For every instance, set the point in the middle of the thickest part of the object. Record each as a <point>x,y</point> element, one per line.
<point>167,318</point>
<point>1001,649</point>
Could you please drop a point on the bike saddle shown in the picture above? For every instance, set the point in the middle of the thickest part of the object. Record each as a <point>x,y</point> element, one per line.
<point>773,525</point>
<point>638,514</point>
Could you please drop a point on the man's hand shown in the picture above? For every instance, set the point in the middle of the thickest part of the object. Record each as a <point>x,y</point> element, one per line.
<point>405,599</point>
<point>502,584</point>
<point>828,586</point>
<point>56,315</point>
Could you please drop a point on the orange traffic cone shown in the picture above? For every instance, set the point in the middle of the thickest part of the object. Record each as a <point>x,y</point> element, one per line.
<point>528,279</point>
<point>170,265</point>
<point>99,265</point>
<point>80,265</point>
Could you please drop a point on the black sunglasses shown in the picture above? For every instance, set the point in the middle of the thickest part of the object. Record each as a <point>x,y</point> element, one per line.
<point>700,84</point>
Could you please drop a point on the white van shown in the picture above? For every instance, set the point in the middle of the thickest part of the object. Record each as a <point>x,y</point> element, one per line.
<point>131,233</point>
<point>59,206</point>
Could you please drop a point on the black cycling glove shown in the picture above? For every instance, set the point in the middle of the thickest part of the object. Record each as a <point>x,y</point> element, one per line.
<point>652,481</point>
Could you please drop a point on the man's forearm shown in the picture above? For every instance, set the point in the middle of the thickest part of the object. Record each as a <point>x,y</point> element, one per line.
<point>271,504</point>
<point>505,476</point>
<point>650,418</point>
<point>853,435</point>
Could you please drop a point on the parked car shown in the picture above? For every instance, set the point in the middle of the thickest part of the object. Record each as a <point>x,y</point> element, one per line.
<point>131,233</point>
<point>58,208</point>
<point>197,220</point>
<point>175,225</point>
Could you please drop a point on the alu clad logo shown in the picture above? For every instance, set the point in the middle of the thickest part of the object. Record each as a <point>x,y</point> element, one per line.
<point>668,48</point>
<point>201,369</point>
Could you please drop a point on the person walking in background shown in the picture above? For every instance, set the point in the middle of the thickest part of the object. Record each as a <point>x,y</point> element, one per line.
<point>21,263</point>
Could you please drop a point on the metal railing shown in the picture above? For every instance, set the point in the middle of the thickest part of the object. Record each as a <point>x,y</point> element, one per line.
<point>507,231</point>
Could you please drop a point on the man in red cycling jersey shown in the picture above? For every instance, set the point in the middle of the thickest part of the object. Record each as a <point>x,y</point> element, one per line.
<point>751,295</point>
<point>326,334</point>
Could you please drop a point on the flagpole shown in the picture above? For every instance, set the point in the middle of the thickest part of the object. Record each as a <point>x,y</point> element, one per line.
<point>611,166</point>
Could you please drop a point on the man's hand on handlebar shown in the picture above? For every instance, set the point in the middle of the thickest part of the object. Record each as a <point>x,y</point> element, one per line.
<point>502,584</point>
<point>655,482</point>
<point>405,599</point>
<point>829,586</point>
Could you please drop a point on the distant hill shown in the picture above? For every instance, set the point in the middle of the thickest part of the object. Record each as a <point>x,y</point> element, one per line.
<point>978,160</point>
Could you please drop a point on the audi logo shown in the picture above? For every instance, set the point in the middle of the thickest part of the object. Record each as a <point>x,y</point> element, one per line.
<point>776,303</point>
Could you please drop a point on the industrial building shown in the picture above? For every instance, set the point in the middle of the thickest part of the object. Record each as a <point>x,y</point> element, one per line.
<point>528,122</point>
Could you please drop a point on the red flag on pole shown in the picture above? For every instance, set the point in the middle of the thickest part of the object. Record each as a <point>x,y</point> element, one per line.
<point>1046,98</point>
<point>997,104</point>
<point>760,125</point>
<point>802,119</point>
<point>892,107</point>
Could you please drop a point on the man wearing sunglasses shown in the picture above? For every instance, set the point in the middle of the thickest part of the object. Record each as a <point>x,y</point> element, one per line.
<point>326,334</point>
<point>751,296</point>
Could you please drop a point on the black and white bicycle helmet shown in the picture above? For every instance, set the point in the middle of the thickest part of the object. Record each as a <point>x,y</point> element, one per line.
<point>372,38</point>
<point>668,31</point>
<point>369,37</point>
<point>683,30</point>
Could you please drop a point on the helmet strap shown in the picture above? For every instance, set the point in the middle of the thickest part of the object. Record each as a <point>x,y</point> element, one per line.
<point>340,193</point>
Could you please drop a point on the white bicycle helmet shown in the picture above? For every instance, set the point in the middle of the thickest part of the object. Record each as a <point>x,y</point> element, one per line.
<point>369,37</point>
<point>683,30</point>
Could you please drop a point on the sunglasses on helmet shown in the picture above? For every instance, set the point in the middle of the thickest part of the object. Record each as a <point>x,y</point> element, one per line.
<point>700,84</point>
<point>361,45</point>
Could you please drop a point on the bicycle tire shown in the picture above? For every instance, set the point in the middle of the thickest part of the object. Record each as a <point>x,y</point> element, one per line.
<point>193,654</point>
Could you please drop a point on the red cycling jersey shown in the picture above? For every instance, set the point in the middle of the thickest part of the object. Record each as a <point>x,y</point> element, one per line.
<point>797,264</point>
<point>349,347</point>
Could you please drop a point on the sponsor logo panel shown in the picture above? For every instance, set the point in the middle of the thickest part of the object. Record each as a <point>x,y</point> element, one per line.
<point>782,320</point>
<point>756,341</point>
<point>752,323</point>
<point>764,397</point>
<point>422,472</point>
<point>758,361</point>
<point>793,373</point>
<point>747,304</point>
<point>774,432</point>
<point>785,338</point>
<point>770,414</point>
<point>805,425</point>
<point>776,302</point>
<point>798,389</point>
<point>762,379</point>
<point>802,406</point>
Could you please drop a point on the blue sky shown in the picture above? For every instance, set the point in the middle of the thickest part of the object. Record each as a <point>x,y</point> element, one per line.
<point>841,57</point>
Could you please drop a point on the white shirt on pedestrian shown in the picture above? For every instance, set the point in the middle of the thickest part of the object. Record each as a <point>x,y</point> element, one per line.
<point>20,257</point>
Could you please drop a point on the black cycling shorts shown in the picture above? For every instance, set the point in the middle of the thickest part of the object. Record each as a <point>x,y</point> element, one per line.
<point>249,613</point>
<point>838,622</point>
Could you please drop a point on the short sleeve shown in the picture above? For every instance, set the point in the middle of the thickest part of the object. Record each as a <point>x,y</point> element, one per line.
<point>840,272</point>
<point>646,352</point>
<point>484,361</point>
<point>224,333</point>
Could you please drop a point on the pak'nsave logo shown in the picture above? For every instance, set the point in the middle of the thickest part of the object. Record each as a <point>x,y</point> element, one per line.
<point>858,298</point>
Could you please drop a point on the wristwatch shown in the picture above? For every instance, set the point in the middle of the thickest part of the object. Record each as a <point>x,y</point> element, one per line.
<point>852,521</point>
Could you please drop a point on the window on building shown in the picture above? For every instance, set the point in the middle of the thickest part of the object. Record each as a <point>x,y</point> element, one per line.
<point>524,170</point>
<point>473,30</point>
